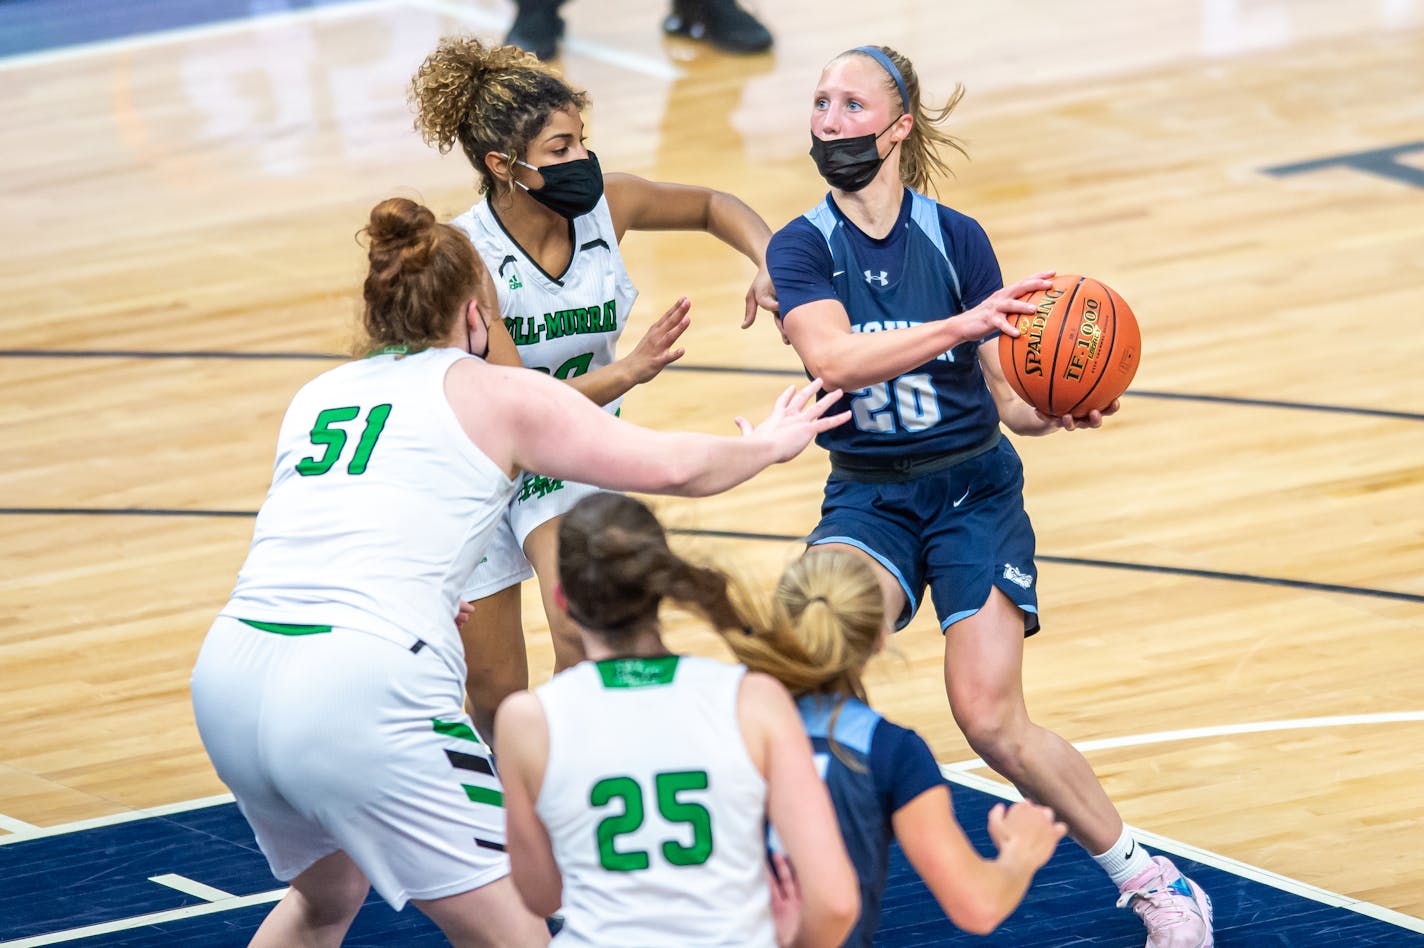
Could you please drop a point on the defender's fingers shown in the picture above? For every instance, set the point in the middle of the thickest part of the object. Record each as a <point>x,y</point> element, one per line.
<point>822,404</point>
<point>806,394</point>
<point>830,421</point>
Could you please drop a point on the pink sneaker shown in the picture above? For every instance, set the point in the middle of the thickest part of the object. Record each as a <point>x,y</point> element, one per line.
<point>1175,910</point>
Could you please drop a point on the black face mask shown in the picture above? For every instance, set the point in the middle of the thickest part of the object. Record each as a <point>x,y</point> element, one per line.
<point>849,164</point>
<point>571,188</point>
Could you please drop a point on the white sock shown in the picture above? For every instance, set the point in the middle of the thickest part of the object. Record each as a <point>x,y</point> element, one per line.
<point>1125,859</point>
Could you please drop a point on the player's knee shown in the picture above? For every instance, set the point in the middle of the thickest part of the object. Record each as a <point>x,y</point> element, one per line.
<point>334,904</point>
<point>996,730</point>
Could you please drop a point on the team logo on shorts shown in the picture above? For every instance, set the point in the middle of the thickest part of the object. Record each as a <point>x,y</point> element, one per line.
<point>1017,576</point>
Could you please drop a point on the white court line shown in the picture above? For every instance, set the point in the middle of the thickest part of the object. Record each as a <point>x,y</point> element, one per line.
<point>139,921</point>
<point>653,66</point>
<point>1223,730</point>
<point>208,30</point>
<point>60,829</point>
<point>10,824</point>
<point>1217,861</point>
<point>191,887</point>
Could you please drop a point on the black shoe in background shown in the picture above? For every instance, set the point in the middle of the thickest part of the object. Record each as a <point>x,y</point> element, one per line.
<point>722,23</point>
<point>537,27</point>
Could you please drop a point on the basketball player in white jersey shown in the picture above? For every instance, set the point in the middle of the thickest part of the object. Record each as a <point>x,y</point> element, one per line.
<point>329,692</point>
<point>639,782</point>
<point>549,230</point>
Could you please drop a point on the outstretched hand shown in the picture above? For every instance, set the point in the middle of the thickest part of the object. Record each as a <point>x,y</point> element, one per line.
<point>1026,830</point>
<point>655,352</point>
<point>760,294</point>
<point>796,418</point>
<point>1000,311</point>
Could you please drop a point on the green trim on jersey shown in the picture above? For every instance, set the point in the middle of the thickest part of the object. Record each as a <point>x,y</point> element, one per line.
<point>483,795</point>
<point>456,729</point>
<point>637,672</point>
<point>284,628</point>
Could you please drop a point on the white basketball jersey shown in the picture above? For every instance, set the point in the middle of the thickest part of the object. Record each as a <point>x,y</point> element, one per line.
<point>564,325</point>
<point>654,808</point>
<point>379,509</point>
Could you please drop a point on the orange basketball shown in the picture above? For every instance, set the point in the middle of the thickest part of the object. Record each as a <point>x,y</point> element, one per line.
<point>1077,353</point>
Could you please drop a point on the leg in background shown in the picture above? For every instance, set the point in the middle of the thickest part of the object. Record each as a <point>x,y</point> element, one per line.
<point>319,909</point>
<point>541,547</point>
<point>495,656</point>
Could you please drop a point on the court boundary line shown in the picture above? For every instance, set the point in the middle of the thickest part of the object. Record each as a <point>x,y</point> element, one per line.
<point>475,18</point>
<point>1219,730</point>
<point>151,918</point>
<point>1217,861</point>
<point>113,819</point>
<point>12,825</point>
<point>123,44</point>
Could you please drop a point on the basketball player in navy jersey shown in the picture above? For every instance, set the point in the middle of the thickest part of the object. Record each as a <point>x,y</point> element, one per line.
<point>890,296</point>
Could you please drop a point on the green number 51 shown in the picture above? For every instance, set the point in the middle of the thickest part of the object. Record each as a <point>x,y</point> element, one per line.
<point>334,439</point>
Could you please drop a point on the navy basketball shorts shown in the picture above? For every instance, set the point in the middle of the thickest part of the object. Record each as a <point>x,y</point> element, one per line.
<point>960,531</point>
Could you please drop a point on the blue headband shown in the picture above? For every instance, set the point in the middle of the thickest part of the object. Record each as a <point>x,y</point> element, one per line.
<point>889,66</point>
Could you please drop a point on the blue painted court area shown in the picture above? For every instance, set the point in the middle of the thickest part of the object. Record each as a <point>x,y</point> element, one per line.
<point>29,26</point>
<point>91,877</point>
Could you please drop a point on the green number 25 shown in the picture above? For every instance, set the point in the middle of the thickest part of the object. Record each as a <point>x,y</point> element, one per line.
<point>334,439</point>
<point>673,810</point>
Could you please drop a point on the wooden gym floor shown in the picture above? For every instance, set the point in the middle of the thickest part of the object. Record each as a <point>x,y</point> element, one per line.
<point>1232,579</point>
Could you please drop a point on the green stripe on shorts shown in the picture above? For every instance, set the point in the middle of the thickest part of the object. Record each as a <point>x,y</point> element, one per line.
<point>285,628</point>
<point>483,795</point>
<point>456,729</point>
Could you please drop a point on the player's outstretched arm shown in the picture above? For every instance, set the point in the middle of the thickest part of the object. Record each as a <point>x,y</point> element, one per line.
<point>638,204</point>
<point>654,352</point>
<point>977,894</point>
<point>525,421</point>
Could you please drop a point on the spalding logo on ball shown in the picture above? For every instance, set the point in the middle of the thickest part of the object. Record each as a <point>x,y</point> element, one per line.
<point>1077,352</point>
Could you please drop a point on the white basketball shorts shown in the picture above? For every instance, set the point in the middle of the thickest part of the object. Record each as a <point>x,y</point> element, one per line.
<point>341,740</point>
<point>537,500</point>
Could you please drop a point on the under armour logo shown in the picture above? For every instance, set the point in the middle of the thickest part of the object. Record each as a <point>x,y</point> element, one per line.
<point>883,278</point>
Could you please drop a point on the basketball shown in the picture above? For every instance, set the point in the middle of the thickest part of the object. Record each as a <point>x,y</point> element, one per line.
<point>1077,353</point>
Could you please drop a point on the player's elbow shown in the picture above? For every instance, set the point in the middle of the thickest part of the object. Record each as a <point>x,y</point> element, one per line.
<point>539,892</point>
<point>834,373</point>
<point>844,909</point>
<point>541,903</point>
<point>976,918</point>
<point>680,475</point>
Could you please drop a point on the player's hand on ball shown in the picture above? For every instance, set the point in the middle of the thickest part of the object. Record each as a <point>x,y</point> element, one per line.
<point>1093,419</point>
<point>1000,311</point>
